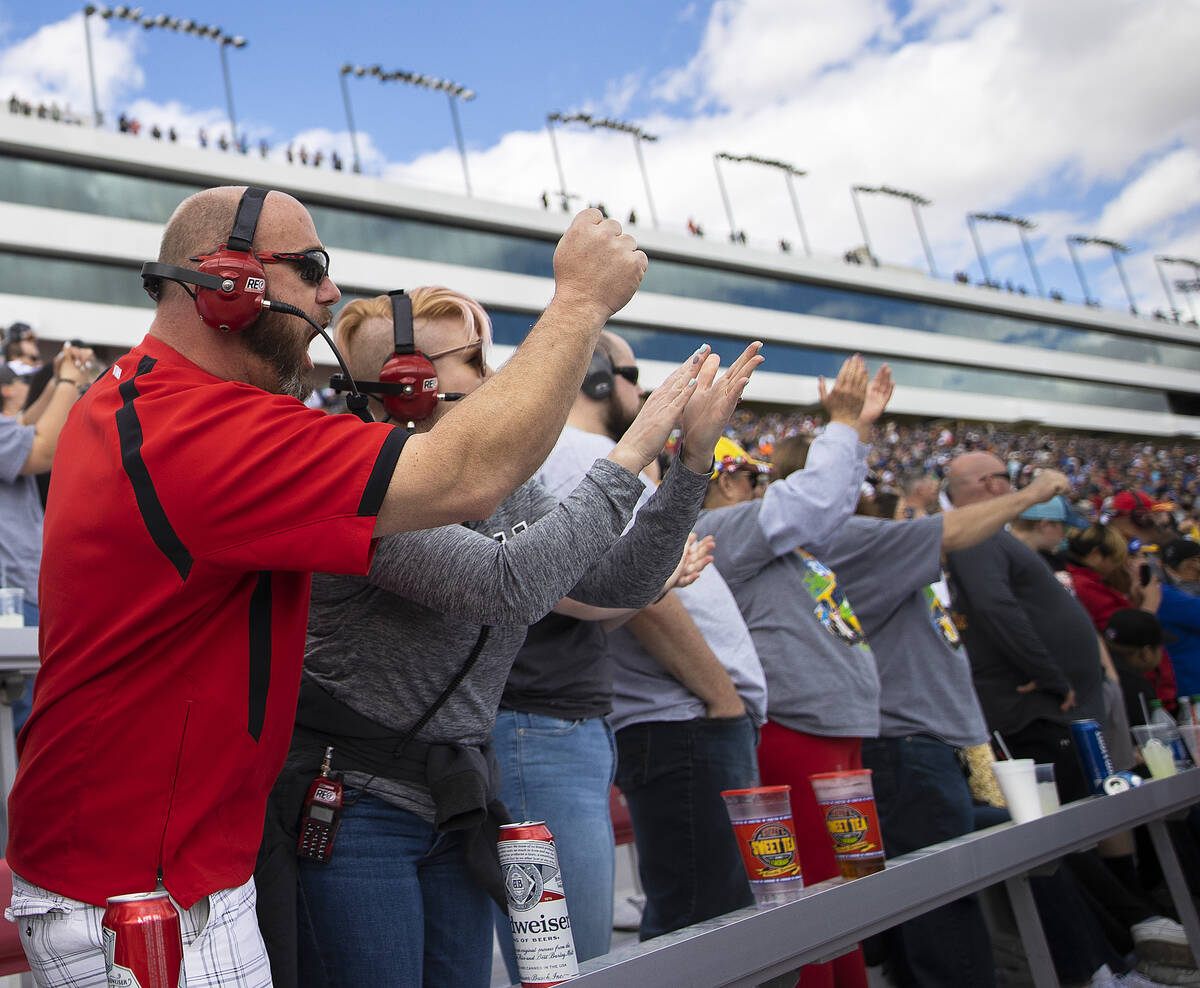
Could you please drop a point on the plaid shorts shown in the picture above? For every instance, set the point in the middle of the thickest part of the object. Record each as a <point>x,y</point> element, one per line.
<point>222,947</point>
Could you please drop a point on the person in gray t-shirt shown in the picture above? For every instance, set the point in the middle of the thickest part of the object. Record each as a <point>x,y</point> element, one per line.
<point>822,686</point>
<point>928,707</point>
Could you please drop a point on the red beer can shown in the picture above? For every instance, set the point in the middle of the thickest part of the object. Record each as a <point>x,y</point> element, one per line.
<point>537,905</point>
<point>143,946</point>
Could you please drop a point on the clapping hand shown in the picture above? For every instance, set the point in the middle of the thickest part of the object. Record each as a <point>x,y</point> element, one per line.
<point>712,404</point>
<point>844,401</point>
<point>662,409</point>
<point>697,554</point>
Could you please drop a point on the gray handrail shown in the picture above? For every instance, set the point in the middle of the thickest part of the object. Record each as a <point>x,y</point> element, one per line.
<point>748,947</point>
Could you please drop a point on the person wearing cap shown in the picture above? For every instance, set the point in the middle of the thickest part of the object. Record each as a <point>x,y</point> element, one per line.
<point>1138,516</point>
<point>822,683</point>
<point>683,689</point>
<point>1135,641</point>
<point>1044,529</point>
<point>733,470</point>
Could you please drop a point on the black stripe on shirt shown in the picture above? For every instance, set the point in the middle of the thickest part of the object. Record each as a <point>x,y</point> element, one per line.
<point>381,474</point>
<point>260,654</point>
<point>129,432</point>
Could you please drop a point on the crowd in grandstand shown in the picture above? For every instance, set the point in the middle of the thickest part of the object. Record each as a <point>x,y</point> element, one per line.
<point>790,593</point>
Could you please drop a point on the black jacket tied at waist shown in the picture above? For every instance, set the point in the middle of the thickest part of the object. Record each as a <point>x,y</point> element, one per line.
<point>463,782</point>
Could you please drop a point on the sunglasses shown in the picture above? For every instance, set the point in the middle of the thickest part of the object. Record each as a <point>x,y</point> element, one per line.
<point>630,373</point>
<point>313,263</point>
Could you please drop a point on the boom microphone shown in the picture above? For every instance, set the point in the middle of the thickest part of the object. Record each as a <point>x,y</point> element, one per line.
<point>356,401</point>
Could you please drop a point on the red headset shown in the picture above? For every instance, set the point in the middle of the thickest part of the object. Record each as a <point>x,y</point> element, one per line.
<point>408,369</point>
<point>231,282</point>
<point>408,382</point>
<point>231,286</point>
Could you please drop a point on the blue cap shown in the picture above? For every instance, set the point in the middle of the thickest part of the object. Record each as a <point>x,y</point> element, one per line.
<point>1056,509</point>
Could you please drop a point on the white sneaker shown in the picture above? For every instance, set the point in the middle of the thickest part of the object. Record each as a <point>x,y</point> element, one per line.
<point>1159,940</point>
<point>1135,979</point>
<point>1167,974</point>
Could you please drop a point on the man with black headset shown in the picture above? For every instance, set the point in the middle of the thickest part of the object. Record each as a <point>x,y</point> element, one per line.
<point>196,498</point>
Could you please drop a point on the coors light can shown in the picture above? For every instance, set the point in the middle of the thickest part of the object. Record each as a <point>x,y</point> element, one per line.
<point>537,905</point>
<point>143,947</point>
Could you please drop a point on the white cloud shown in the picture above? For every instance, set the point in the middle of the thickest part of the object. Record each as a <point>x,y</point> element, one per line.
<point>45,66</point>
<point>1079,115</point>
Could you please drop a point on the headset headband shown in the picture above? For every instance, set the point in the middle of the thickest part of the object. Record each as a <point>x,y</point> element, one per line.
<point>241,238</point>
<point>402,322</point>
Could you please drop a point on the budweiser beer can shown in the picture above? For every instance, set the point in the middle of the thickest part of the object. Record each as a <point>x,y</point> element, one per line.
<point>537,905</point>
<point>1092,753</point>
<point>143,947</point>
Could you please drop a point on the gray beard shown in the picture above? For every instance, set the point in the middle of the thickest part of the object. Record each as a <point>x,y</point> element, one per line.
<point>268,339</point>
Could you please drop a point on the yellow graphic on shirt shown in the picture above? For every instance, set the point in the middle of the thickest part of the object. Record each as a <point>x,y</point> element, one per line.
<point>832,608</point>
<point>942,621</point>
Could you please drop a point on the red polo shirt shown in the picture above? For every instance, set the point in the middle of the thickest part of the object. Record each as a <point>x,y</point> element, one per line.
<point>185,515</point>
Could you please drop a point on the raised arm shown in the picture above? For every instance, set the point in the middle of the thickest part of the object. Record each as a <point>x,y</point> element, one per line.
<point>972,524</point>
<point>74,367</point>
<point>469,462</point>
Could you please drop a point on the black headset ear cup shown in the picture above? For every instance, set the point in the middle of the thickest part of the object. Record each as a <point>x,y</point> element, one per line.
<point>419,377</point>
<point>237,307</point>
<point>599,381</point>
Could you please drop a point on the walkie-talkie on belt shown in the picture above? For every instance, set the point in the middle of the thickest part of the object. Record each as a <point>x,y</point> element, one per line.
<point>321,815</point>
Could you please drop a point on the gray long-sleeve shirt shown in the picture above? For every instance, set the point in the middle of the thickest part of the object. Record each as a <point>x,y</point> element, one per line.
<point>389,643</point>
<point>821,676</point>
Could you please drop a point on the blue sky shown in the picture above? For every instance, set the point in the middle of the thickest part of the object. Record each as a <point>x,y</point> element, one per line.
<point>1078,115</point>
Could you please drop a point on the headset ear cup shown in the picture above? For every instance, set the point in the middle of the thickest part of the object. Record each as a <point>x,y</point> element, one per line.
<point>599,381</point>
<point>238,308</point>
<point>417,373</point>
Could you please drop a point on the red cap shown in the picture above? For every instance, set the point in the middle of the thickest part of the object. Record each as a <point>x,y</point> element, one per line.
<point>1125,502</point>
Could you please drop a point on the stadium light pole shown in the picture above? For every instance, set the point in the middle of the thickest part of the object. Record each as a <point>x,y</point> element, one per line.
<point>179,25</point>
<point>342,73</point>
<point>1161,259</point>
<point>914,200</point>
<point>551,119</point>
<point>862,219</point>
<point>1117,250</point>
<point>605,123</point>
<point>1022,226</point>
<point>88,10</point>
<point>452,90</point>
<point>788,171</point>
<point>725,196</point>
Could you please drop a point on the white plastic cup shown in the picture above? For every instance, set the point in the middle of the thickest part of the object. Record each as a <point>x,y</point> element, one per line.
<point>1154,742</point>
<point>762,826</point>
<point>1047,788</point>
<point>1018,781</point>
<point>12,612</point>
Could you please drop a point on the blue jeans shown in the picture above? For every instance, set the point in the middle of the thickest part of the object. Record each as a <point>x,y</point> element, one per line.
<point>23,705</point>
<point>560,771</point>
<point>672,774</point>
<point>395,905</point>
<point>922,798</point>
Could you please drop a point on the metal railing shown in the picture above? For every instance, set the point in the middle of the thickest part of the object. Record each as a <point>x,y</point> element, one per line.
<point>749,947</point>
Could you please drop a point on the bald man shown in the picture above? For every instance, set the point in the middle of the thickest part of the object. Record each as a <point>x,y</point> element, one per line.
<point>1034,655</point>
<point>195,497</point>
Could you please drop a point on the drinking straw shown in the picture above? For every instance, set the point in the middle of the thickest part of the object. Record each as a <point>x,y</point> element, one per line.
<point>1003,747</point>
<point>1145,709</point>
